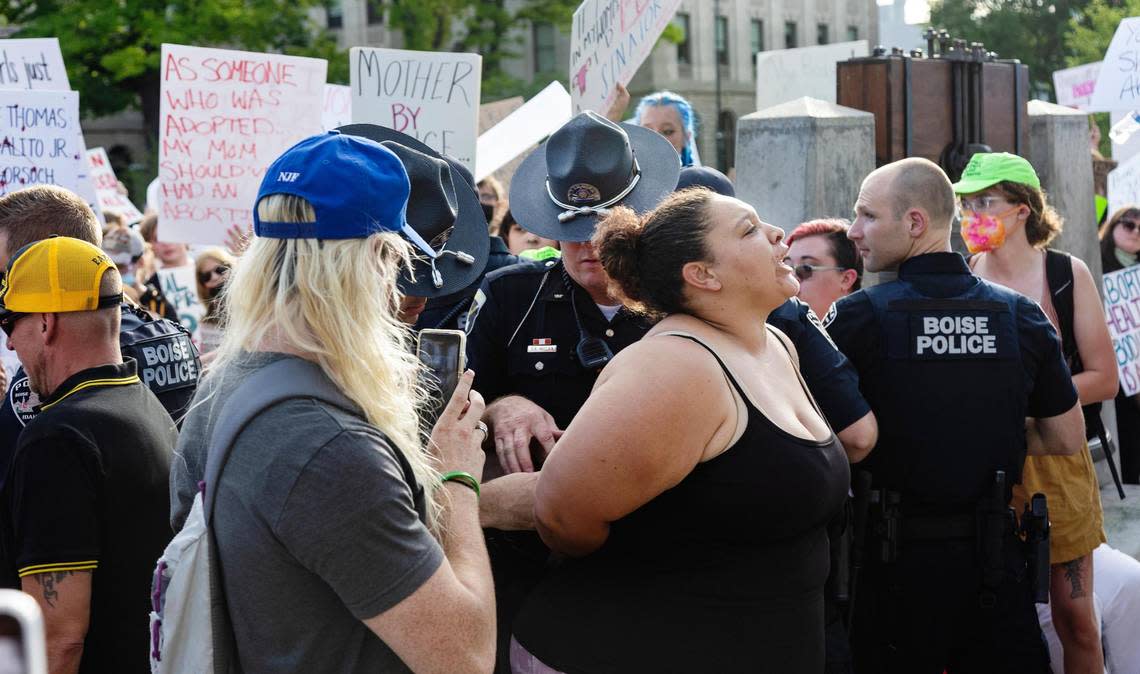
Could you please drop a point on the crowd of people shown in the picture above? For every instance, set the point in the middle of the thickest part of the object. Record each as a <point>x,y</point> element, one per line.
<point>659,457</point>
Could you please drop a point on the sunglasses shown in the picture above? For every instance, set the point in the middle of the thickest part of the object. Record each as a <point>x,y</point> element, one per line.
<point>1130,225</point>
<point>220,270</point>
<point>8,322</point>
<point>805,271</point>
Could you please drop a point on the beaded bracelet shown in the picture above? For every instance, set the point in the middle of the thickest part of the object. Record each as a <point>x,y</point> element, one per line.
<point>462,477</point>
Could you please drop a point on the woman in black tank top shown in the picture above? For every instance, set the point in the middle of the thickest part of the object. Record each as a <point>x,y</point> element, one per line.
<point>691,493</point>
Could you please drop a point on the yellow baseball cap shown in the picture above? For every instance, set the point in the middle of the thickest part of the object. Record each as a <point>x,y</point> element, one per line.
<point>59,274</point>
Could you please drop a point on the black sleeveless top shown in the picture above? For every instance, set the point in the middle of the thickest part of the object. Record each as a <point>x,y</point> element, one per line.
<point>722,573</point>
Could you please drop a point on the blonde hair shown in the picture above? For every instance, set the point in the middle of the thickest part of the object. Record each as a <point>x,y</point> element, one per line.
<point>213,304</point>
<point>337,302</point>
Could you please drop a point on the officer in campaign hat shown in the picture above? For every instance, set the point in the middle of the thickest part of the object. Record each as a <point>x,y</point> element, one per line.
<point>953,366</point>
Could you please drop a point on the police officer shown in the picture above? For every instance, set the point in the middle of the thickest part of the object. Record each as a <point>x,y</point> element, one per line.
<point>440,197</point>
<point>952,366</point>
<point>167,360</point>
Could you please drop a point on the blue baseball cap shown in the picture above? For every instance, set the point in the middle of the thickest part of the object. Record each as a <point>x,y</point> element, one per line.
<point>356,186</point>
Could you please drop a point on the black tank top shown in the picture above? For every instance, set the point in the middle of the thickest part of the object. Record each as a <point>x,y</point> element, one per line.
<point>724,572</point>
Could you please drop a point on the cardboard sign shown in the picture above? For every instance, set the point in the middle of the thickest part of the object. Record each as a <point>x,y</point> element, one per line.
<point>38,140</point>
<point>1118,84</point>
<point>1122,313</point>
<point>224,116</point>
<point>1124,185</point>
<point>536,119</point>
<point>107,186</point>
<point>338,106</point>
<point>609,40</point>
<point>494,112</point>
<point>784,75</point>
<point>431,96</point>
<point>33,64</point>
<point>1075,86</point>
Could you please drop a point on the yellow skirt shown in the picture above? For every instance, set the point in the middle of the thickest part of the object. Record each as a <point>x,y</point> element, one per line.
<point>1076,520</point>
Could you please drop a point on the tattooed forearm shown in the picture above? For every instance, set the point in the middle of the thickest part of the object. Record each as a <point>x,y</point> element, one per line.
<point>1073,572</point>
<point>48,582</point>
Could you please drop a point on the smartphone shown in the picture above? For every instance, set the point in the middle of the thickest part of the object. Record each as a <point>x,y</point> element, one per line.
<point>443,353</point>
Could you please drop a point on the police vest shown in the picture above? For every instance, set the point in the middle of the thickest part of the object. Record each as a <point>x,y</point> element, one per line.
<point>950,394</point>
<point>168,362</point>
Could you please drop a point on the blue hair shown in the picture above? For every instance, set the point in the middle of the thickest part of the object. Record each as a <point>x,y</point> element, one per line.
<point>684,111</point>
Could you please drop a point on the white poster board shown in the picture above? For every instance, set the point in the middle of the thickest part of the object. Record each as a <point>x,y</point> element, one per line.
<point>1118,84</point>
<point>107,186</point>
<point>1124,185</point>
<point>38,140</point>
<point>784,75</point>
<point>1075,86</point>
<point>536,119</point>
<point>337,109</point>
<point>33,64</point>
<point>1122,313</point>
<point>609,40</point>
<point>224,116</point>
<point>180,289</point>
<point>430,96</point>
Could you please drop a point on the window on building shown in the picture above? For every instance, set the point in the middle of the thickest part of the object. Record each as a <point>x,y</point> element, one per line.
<point>336,14</point>
<point>544,48</point>
<point>375,11</point>
<point>821,36</point>
<point>852,33</point>
<point>790,37</point>
<point>684,51</point>
<point>757,38</point>
<point>722,40</point>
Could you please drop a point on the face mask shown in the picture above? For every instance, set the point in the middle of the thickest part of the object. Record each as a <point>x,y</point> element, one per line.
<point>488,211</point>
<point>129,279</point>
<point>983,232</point>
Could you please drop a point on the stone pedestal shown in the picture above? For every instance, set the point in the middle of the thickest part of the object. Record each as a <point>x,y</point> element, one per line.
<point>803,159</point>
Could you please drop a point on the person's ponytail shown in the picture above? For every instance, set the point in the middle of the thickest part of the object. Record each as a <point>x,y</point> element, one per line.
<point>617,241</point>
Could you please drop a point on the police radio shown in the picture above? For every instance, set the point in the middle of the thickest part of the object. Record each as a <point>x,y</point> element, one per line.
<point>443,353</point>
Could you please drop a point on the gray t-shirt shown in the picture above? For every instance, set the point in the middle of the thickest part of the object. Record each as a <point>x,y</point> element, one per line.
<point>319,525</point>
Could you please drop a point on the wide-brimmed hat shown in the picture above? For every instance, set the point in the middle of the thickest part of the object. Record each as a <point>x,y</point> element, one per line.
<point>443,212</point>
<point>587,167</point>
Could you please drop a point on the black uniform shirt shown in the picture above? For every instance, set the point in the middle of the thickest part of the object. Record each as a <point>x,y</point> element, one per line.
<point>87,490</point>
<point>522,337</point>
<point>829,375</point>
<point>450,312</point>
<point>948,417</point>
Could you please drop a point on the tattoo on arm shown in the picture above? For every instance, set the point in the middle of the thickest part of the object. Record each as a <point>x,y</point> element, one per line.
<point>48,582</point>
<point>1073,571</point>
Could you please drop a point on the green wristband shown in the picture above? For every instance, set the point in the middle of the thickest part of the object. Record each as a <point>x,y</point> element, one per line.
<point>462,477</point>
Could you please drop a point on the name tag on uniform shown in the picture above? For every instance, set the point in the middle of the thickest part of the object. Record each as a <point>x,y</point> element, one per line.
<point>546,345</point>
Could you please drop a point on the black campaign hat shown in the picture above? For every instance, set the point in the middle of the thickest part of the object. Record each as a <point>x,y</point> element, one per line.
<point>586,167</point>
<point>443,210</point>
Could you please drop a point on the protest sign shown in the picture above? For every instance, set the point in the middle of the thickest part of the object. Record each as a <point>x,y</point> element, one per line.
<point>1122,313</point>
<point>107,186</point>
<point>494,112</point>
<point>784,75</point>
<point>179,288</point>
<point>431,96</point>
<point>338,106</point>
<point>224,116</point>
<point>536,119</point>
<point>38,146</point>
<point>1124,185</point>
<point>1075,86</point>
<point>32,64</point>
<point>609,40</point>
<point>1118,83</point>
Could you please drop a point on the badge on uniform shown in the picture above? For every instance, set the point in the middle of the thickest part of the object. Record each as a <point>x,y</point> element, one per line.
<point>545,345</point>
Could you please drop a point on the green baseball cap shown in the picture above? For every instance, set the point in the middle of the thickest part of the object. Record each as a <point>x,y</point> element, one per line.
<point>987,169</point>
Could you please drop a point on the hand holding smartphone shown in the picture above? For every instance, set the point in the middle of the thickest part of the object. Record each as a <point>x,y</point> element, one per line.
<point>443,353</point>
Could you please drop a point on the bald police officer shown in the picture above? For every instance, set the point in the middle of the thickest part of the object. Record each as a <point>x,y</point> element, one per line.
<point>964,377</point>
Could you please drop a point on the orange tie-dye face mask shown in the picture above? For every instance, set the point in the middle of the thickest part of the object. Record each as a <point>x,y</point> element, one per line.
<point>983,232</point>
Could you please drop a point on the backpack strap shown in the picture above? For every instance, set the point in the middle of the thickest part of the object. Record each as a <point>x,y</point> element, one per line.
<point>1059,277</point>
<point>274,383</point>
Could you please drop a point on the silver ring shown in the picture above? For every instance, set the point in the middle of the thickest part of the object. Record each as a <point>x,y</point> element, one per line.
<point>480,426</point>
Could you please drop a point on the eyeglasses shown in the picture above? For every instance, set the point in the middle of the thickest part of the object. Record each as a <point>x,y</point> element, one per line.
<point>979,204</point>
<point>1130,225</point>
<point>8,322</point>
<point>805,271</point>
<point>220,270</point>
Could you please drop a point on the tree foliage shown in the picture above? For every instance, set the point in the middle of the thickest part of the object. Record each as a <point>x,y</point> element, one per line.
<point>1037,32</point>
